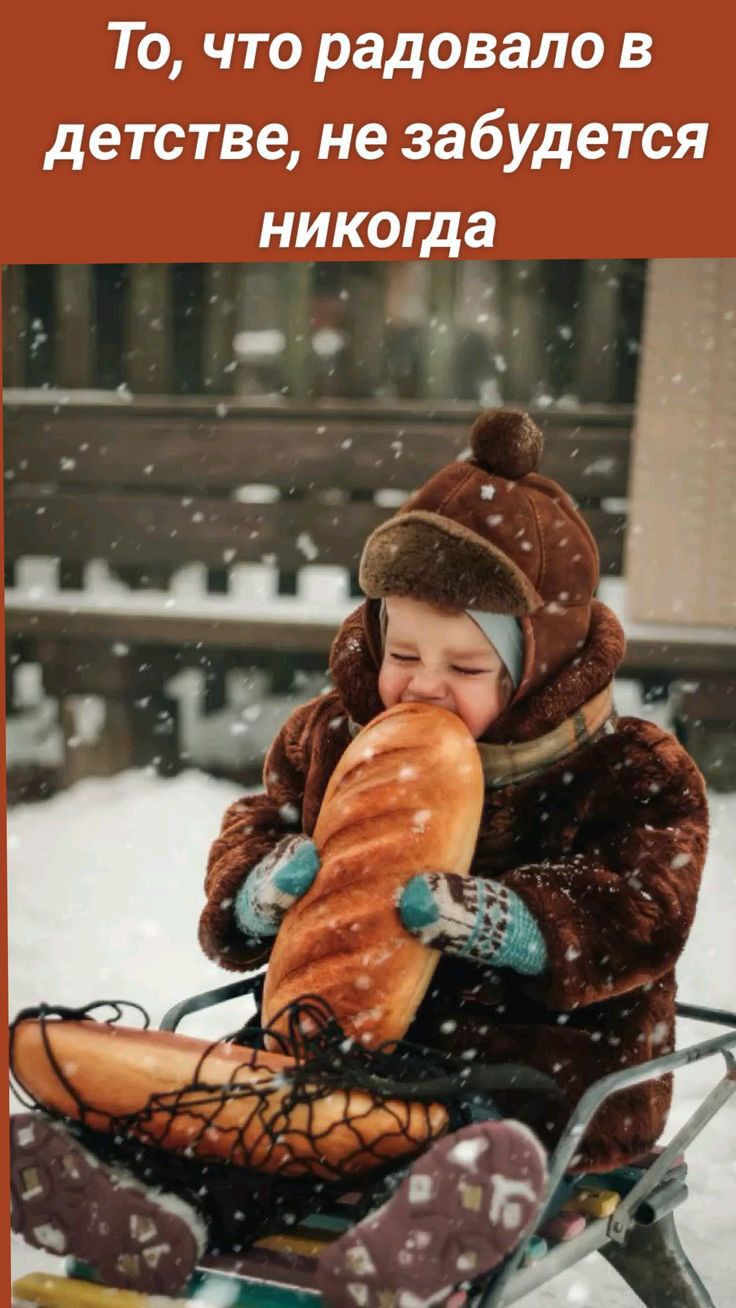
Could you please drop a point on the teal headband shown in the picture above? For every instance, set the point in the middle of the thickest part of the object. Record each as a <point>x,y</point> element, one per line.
<point>504,633</point>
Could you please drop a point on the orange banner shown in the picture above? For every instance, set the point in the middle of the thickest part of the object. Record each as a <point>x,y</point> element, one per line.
<point>560,189</point>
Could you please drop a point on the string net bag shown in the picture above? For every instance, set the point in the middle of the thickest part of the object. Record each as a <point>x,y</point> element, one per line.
<point>266,1147</point>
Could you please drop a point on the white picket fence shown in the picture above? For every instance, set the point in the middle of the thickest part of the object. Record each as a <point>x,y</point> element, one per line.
<point>237,735</point>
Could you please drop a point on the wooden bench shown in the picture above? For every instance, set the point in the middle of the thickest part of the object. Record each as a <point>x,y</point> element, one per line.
<point>150,535</point>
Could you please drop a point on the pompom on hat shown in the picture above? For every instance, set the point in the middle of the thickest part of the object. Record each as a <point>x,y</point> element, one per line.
<point>506,443</point>
<point>489,533</point>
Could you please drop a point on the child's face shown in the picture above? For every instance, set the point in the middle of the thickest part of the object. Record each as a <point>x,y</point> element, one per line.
<point>435,657</point>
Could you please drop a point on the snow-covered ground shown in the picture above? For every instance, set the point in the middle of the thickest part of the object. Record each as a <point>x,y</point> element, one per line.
<point>105,888</point>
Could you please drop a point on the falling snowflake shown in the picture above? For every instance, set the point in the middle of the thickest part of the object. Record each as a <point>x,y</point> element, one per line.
<point>421,819</point>
<point>306,546</point>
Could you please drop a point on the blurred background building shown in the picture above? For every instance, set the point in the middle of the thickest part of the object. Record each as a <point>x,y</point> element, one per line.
<point>195,452</point>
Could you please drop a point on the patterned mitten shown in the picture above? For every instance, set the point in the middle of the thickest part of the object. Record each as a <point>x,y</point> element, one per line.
<point>282,877</point>
<point>474,917</point>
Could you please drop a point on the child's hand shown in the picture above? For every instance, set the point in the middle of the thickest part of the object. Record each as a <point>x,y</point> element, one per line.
<point>276,883</point>
<point>474,917</point>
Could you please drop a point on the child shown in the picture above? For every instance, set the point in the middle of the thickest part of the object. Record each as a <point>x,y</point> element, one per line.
<point>558,951</point>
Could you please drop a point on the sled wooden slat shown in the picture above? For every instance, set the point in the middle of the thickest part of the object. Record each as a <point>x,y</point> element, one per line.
<point>67,1292</point>
<point>257,1294</point>
<point>307,1246</point>
<point>294,1271</point>
<point>594,1203</point>
<point>49,1291</point>
<point>557,1260</point>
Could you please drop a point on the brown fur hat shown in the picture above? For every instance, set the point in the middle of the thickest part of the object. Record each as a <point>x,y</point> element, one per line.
<point>489,533</point>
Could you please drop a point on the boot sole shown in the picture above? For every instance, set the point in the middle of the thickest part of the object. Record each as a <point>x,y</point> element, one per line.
<point>464,1206</point>
<point>65,1201</point>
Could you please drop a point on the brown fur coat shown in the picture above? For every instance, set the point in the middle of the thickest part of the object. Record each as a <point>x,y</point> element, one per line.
<point>606,849</point>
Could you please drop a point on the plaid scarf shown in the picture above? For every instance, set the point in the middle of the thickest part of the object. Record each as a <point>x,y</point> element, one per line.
<point>504,765</point>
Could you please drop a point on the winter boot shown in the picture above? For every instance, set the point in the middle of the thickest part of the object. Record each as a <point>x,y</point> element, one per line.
<point>66,1201</point>
<point>465,1204</point>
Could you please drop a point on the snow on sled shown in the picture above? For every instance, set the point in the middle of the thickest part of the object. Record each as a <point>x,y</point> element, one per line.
<point>625,1214</point>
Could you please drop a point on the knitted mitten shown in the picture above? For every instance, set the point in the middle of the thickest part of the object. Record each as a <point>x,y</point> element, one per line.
<point>474,917</point>
<point>274,884</point>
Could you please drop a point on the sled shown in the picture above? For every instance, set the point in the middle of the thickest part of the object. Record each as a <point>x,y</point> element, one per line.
<point>627,1215</point>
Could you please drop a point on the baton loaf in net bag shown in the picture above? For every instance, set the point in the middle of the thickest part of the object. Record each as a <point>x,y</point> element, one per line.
<point>223,1102</point>
<point>405,797</point>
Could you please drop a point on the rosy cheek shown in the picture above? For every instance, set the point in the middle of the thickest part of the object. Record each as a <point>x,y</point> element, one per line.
<point>481,707</point>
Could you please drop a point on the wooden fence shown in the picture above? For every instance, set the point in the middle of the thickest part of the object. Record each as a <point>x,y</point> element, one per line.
<point>528,331</point>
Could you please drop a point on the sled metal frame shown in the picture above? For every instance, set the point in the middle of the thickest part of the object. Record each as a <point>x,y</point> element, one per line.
<point>639,1240</point>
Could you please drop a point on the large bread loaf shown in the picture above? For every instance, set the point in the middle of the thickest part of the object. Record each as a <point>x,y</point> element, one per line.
<point>144,1079</point>
<point>406,797</point>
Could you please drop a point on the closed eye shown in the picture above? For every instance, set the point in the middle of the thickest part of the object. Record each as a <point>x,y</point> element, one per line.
<point>464,672</point>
